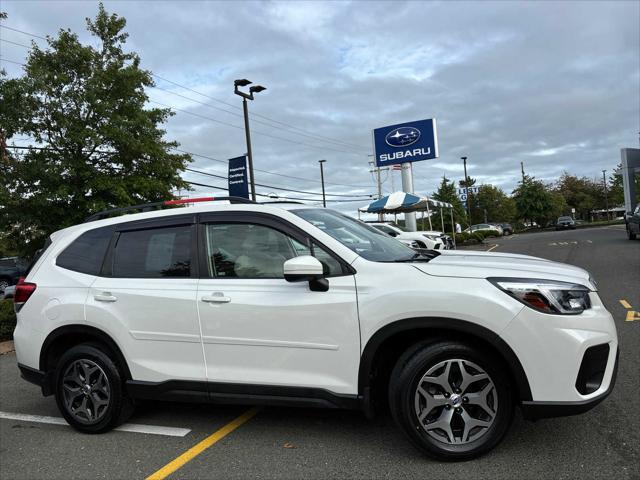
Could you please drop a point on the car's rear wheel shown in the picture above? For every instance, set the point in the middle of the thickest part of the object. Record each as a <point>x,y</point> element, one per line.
<point>630,234</point>
<point>452,400</point>
<point>89,390</point>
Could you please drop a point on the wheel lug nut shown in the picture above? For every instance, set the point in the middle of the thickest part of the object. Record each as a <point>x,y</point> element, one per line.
<point>447,394</point>
<point>458,409</point>
<point>448,407</point>
<point>465,399</point>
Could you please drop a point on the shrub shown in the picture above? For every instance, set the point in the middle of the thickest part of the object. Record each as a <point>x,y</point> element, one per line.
<point>7,320</point>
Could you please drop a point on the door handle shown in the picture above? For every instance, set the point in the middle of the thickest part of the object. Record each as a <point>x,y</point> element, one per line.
<point>105,297</point>
<point>216,297</point>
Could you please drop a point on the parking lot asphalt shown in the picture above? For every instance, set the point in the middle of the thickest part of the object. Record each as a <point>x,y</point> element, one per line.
<point>305,443</point>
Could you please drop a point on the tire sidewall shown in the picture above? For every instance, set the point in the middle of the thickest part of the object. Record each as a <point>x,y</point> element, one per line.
<point>405,379</point>
<point>114,408</point>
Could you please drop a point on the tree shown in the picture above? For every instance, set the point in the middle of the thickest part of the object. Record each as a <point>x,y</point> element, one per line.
<point>498,206</point>
<point>97,147</point>
<point>580,193</point>
<point>616,189</point>
<point>447,193</point>
<point>533,201</point>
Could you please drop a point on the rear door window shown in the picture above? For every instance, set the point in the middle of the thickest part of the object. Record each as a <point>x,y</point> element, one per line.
<point>153,253</point>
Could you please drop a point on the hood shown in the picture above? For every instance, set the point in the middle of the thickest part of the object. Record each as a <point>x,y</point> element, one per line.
<point>472,264</point>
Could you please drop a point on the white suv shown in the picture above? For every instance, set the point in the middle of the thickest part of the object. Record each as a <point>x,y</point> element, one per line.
<point>430,239</point>
<point>279,305</point>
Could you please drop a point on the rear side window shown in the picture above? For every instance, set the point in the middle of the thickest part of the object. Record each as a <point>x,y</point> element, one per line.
<point>153,253</point>
<point>86,253</point>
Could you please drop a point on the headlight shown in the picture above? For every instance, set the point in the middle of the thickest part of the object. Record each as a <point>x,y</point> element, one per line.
<point>547,296</point>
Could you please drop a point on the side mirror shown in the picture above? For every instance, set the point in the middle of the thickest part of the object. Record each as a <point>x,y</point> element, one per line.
<point>306,269</point>
<point>393,234</point>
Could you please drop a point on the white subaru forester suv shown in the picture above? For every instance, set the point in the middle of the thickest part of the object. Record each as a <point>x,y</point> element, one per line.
<point>276,304</point>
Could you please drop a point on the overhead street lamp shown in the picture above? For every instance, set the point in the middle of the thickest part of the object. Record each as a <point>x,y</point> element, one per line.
<point>324,201</point>
<point>243,82</point>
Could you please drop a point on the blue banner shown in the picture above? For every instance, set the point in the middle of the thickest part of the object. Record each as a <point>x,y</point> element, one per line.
<point>405,142</point>
<point>238,178</point>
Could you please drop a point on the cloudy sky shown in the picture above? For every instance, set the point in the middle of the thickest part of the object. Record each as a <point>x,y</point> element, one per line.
<point>555,85</point>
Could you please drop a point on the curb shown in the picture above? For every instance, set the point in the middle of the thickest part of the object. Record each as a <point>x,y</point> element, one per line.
<point>6,347</point>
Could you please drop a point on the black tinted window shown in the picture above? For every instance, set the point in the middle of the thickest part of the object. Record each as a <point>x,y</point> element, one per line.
<point>154,253</point>
<point>86,253</point>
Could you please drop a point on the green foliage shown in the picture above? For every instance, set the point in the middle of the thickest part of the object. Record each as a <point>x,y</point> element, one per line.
<point>499,207</point>
<point>616,190</point>
<point>580,193</point>
<point>7,320</point>
<point>447,193</point>
<point>104,149</point>
<point>533,201</point>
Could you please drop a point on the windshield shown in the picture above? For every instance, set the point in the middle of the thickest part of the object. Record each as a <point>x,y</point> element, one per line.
<point>564,219</point>
<point>363,239</point>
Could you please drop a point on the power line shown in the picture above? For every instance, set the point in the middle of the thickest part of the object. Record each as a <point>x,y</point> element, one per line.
<point>253,120</point>
<point>23,32</point>
<point>15,43</point>
<point>274,173</point>
<point>257,132</point>
<point>2,59</point>
<point>49,149</point>
<point>281,188</point>
<point>254,114</point>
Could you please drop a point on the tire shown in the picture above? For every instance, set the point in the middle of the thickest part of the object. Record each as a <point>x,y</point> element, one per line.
<point>81,402</point>
<point>632,236</point>
<point>4,283</point>
<point>487,427</point>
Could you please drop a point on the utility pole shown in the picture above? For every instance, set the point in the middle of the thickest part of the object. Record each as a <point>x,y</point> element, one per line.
<point>324,201</point>
<point>606,196</point>
<point>522,169</point>
<point>466,190</point>
<point>377,170</point>
<point>248,96</point>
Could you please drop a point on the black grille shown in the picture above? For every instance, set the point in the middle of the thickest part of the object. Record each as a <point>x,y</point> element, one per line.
<point>592,369</point>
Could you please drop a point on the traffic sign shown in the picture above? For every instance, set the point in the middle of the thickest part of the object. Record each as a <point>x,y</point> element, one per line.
<point>405,142</point>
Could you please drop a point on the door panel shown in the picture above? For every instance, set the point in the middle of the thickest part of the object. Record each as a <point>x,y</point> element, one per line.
<point>257,328</point>
<point>146,300</point>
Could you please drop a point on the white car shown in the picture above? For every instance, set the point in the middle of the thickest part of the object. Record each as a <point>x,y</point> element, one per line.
<point>486,227</point>
<point>429,239</point>
<point>290,304</point>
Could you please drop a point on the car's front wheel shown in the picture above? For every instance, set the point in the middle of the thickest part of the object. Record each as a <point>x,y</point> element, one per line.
<point>89,390</point>
<point>453,401</point>
<point>630,234</point>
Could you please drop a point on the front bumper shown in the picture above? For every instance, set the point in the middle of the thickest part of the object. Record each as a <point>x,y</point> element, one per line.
<point>555,352</point>
<point>532,410</point>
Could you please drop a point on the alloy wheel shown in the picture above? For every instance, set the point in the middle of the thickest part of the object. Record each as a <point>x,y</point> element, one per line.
<point>86,391</point>
<point>456,401</point>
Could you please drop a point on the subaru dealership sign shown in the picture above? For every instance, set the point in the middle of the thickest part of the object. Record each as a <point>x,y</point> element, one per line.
<point>406,142</point>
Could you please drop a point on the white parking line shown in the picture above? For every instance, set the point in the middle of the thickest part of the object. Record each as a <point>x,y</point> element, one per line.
<point>127,427</point>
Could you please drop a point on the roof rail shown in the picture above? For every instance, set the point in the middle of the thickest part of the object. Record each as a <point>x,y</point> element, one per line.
<point>146,207</point>
<point>280,201</point>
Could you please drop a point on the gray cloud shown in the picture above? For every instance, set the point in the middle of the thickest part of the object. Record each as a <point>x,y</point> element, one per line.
<point>553,84</point>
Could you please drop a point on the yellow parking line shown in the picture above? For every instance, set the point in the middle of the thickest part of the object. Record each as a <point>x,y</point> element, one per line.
<point>197,449</point>
<point>625,304</point>
<point>631,316</point>
<point>494,246</point>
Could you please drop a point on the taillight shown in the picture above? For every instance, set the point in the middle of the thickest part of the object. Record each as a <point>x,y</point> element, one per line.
<point>23,292</point>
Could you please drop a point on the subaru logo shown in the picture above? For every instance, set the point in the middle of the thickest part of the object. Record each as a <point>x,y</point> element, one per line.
<point>403,136</point>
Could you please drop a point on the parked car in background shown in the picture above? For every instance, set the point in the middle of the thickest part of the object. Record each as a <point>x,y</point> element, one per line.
<point>484,227</point>
<point>632,220</point>
<point>11,269</point>
<point>565,223</point>
<point>429,239</point>
<point>8,292</point>
<point>507,229</point>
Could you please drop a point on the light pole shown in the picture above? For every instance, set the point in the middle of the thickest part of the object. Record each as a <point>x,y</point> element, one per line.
<point>243,82</point>
<point>466,190</point>
<point>324,201</point>
<point>606,196</point>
